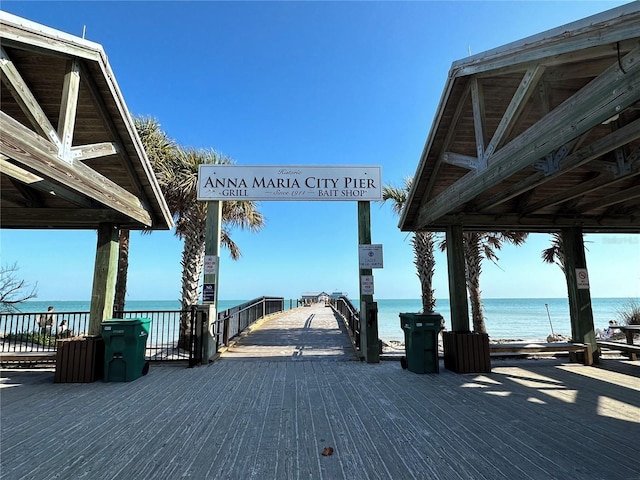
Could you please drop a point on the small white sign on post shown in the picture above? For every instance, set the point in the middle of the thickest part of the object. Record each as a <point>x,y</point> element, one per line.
<point>366,284</point>
<point>210,264</point>
<point>370,256</point>
<point>582,278</point>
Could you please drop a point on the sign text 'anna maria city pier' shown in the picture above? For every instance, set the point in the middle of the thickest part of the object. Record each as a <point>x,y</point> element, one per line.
<point>261,183</point>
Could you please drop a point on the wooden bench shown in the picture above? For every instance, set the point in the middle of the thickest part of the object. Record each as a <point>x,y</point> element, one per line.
<point>27,357</point>
<point>526,348</point>
<point>632,350</point>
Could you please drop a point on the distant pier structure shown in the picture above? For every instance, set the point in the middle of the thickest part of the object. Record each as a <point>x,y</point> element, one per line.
<point>309,298</point>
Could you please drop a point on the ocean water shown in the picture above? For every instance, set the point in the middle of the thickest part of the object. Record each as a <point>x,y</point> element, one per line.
<point>505,318</point>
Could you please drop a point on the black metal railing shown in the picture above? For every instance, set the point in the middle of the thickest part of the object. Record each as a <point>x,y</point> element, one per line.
<point>351,316</point>
<point>174,335</point>
<point>37,333</point>
<point>234,320</point>
<point>169,332</point>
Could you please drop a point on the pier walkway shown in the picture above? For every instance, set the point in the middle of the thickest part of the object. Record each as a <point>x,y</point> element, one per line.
<point>285,394</point>
<point>306,333</point>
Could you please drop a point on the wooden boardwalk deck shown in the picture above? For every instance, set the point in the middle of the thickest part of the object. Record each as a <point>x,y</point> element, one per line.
<point>270,417</point>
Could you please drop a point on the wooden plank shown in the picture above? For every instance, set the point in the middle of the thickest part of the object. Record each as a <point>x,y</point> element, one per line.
<point>26,357</point>
<point>527,348</point>
<point>619,346</point>
<point>632,350</point>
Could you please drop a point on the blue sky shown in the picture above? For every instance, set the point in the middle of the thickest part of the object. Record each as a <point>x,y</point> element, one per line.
<point>301,83</point>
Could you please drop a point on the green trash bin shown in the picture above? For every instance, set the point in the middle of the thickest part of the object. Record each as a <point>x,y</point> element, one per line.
<point>125,343</point>
<point>421,341</point>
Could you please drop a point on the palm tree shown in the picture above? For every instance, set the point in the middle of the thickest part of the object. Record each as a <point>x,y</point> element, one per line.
<point>179,181</point>
<point>422,243</point>
<point>160,149</point>
<point>477,247</point>
<point>555,253</point>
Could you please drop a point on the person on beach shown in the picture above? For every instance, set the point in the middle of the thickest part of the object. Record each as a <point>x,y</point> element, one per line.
<point>61,328</point>
<point>46,321</point>
<point>607,332</point>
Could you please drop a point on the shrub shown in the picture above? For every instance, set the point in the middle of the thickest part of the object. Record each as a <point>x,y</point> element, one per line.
<point>630,313</point>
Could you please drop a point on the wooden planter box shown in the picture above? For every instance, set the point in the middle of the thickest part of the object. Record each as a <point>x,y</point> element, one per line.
<point>466,352</point>
<point>79,360</point>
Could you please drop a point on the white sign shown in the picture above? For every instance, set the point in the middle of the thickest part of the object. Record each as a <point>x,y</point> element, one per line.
<point>370,256</point>
<point>242,182</point>
<point>210,264</point>
<point>366,285</point>
<point>582,278</point>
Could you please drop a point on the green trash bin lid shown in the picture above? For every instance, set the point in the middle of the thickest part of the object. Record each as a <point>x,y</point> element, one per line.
<point>428,321</point>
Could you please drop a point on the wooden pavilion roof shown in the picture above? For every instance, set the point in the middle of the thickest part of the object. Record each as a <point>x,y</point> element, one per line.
<point>538,134</point>
<point>70,156</point>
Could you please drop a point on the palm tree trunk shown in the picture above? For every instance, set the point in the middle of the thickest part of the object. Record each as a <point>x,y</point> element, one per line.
<point>473,259</point>
<point>192,263</point>
<point>423,244</point>
<point>123,270</point>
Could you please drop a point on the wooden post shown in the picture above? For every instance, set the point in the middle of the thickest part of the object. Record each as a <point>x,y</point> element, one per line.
<point>457,280</point>
<point>580,311</point>
<point>369,343</point>
<point>104,277</point>
<point>211,278</point>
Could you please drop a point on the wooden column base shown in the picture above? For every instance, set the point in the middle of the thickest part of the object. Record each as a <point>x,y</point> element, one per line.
<point>466,352</point>
<point>79,360</point>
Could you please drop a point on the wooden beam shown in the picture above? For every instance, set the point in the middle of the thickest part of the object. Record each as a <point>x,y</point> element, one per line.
<point>613,199</point>
<point>21,93</point>
<point>38,183</point>
<point>459,160</point>
<point>479,120</point>
<point>101,110</point>
<point>581,189</point>
<point>575,267</point>
<point>598,101</point>
<point>37,155</point>
<point>590,38</point>
<point>50,41</point>
<point>623,222</point>
<point>457,279</point>
<point>526,88</point>
<point>445,146</point>
<point>94,150</point>
<point>104,277</point>
<point>68,108</point>
<point>579,158</point>
<point>76,218</point>
<point>369,343</point>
